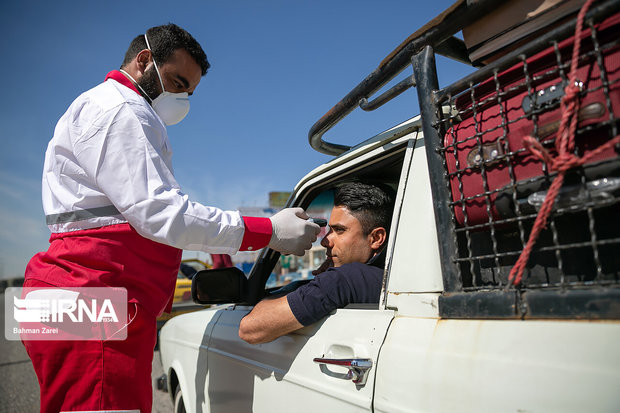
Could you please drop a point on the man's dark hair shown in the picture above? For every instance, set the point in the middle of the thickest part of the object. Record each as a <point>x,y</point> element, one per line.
<point>371,204</point>
<point>164,40</point>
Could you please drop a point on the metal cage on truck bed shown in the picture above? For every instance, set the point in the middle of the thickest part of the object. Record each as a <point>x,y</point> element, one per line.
<point>489,184</point>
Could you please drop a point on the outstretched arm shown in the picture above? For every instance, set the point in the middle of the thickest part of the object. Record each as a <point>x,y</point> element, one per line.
<point>270,319</point>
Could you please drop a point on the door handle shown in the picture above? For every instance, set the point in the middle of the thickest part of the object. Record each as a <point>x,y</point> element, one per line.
<point>358,368</point>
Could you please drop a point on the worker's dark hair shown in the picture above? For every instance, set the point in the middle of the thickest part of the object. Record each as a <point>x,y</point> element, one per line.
<point>370,203</point>
<point>164,40</point>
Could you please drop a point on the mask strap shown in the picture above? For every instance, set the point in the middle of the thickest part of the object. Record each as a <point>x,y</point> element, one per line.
<point>156,68</point>
<point>135,83</point>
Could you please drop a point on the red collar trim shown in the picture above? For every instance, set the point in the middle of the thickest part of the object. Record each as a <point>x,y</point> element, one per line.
<point>122,79</point>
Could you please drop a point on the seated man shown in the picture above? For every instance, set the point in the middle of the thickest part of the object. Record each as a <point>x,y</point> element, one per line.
<point>352,273</point>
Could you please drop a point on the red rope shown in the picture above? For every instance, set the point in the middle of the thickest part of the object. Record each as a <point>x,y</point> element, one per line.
<point>564,145</point>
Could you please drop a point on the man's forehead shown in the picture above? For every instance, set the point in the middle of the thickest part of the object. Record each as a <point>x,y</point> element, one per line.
<point>341,213</point>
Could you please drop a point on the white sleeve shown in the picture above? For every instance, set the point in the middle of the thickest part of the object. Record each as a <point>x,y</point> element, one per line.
<point>125,155</point>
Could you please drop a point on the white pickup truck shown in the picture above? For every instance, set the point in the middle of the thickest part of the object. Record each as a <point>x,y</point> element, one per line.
<point>454,330</point>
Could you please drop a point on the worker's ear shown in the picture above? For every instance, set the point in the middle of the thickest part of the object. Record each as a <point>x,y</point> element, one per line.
<point>377,238</point>
<point>143,59</point>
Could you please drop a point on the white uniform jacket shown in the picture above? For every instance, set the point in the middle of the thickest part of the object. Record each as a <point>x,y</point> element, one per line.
<point>109,162</point>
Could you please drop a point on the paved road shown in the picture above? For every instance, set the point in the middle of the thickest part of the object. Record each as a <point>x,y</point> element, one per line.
<point>19,390</point>
<point>162,403</point>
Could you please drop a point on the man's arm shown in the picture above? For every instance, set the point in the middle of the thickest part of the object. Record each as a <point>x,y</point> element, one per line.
<point>270,319</point>
<point>335,288</point>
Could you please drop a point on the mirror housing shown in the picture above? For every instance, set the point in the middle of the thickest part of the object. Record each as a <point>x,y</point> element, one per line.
<point>220,286</point>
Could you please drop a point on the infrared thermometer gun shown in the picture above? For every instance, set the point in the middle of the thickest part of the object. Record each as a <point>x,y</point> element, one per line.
<point>319,221</point>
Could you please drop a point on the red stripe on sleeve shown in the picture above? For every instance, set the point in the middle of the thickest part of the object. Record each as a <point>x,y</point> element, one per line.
<point>257,234</point>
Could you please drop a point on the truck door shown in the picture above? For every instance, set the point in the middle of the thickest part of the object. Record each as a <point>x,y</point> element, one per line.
<point>282,375</point>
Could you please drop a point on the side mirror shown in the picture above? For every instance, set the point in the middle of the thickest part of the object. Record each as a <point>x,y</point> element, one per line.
<point>220,286</point>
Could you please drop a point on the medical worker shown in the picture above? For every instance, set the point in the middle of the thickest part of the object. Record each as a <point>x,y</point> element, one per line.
<point>119,219</point>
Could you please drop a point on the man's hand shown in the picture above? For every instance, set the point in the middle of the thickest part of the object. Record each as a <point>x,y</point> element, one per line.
<point>292,232</point>
<point>323,267</point>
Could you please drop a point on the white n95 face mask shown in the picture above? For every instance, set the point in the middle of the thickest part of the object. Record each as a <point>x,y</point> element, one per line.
<point>171,107</point>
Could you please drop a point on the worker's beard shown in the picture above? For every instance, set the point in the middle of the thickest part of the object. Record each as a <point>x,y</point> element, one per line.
<point>149,82</point>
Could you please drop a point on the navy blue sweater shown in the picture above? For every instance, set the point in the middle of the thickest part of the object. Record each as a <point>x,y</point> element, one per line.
<point>335,288</point>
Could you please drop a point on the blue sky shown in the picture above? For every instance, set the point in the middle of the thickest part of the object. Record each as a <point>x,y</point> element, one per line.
<point>277,67</point>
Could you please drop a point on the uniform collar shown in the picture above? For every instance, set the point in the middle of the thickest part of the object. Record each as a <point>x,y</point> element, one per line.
<point>122,79</point>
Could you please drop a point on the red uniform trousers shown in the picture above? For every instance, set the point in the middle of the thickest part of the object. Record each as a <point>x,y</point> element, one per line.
<point>111,375</point>
<point>97,375</point>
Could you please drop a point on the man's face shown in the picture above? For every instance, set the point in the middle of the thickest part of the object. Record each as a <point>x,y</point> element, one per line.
<point>180,74</point>
<point>345,241</point>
